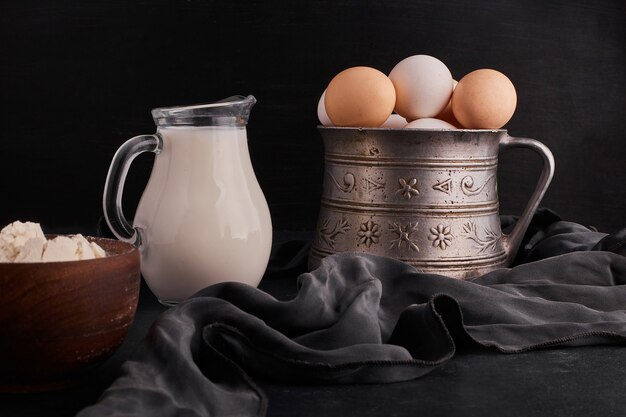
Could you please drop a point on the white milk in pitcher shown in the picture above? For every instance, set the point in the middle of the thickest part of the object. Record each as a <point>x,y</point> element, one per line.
<point>203,216</point>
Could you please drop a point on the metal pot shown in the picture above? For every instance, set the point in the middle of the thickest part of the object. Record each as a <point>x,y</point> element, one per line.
<point>425,197</point>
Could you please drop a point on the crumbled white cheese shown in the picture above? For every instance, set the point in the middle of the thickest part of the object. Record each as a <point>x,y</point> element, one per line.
<point>30,251</point>
<point>61,248</point>
<point>25,242</point>
<point>83,247</point>
<point>98,252</point>
<point>21,242</point>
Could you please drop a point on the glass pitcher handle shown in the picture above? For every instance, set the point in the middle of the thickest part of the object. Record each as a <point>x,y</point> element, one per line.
<point>114,185</point>
<point>514,239</point>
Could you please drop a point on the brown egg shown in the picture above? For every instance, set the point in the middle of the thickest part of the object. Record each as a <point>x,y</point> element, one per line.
<point>359,97</point>
<point>484,99</point>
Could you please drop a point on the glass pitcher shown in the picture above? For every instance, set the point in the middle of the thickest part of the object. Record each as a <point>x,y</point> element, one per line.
<point>202,218</point>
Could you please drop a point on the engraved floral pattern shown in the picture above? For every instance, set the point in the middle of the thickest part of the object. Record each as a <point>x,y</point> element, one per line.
<point>369,233</point>
<point>406,188</point>
<point>440,236</point>
<point>403,235</point>
<point>488,241</point>
<point>328,234</point>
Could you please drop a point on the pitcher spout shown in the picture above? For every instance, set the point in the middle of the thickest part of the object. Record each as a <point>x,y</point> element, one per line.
<point>233,111</point>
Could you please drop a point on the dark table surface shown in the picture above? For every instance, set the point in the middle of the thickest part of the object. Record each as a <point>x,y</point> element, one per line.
<point>579,381</point>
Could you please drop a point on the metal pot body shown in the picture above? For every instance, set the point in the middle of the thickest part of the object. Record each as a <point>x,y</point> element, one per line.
<point>425,197</point>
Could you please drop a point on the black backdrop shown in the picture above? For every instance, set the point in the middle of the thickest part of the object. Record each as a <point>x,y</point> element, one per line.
<point>78,78</point>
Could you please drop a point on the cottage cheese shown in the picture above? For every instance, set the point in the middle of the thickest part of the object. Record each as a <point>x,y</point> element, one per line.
<point>25,242</point>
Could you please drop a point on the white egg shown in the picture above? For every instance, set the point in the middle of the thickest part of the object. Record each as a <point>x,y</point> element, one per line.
<point>321,112</point>
<point>394,121</point>
<point>429,123</point>
<point>423,86</point>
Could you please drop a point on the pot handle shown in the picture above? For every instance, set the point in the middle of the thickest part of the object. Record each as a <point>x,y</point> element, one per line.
<point>513,240</point>
<point>114,185</point>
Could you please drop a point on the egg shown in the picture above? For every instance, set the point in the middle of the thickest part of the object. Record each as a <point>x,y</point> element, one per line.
<point>359,97</point>
<point>446,114</point>
<point>484,99</point>
<point>429,123</point>
<point>423,86</point>
<point>394,121</point>
<point>321,111</point>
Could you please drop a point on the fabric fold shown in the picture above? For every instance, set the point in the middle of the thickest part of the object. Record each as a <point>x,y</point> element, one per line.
<point>366,319</point>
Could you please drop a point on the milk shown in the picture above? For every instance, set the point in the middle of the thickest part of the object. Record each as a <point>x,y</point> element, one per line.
<point>203,218</point>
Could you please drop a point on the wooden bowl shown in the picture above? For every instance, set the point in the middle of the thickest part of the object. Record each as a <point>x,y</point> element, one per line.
<point>58,319</point>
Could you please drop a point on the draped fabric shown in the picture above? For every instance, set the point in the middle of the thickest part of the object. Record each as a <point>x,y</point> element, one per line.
<point>367,319</point>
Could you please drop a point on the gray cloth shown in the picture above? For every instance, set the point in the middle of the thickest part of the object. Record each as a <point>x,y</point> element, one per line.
<point>367,319</point>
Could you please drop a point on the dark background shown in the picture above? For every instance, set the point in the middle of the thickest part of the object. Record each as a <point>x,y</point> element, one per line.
<point>78,78</point>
